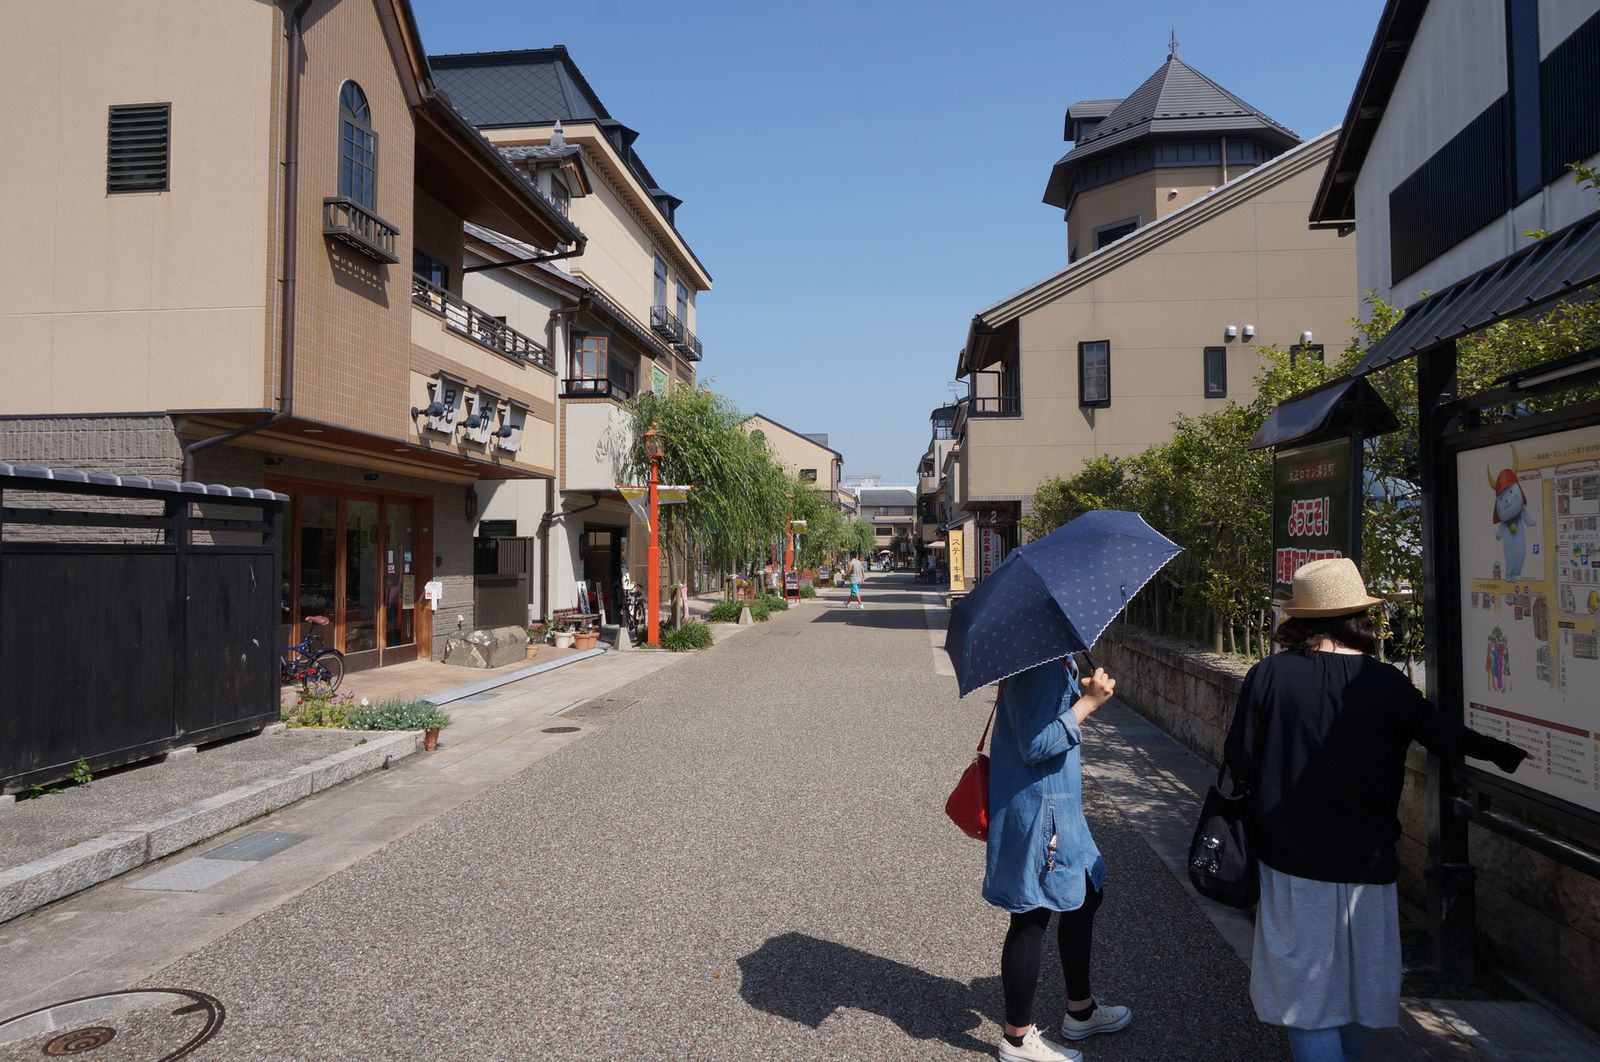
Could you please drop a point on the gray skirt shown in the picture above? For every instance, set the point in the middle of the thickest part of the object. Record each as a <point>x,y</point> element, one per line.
<point>1326,953</point>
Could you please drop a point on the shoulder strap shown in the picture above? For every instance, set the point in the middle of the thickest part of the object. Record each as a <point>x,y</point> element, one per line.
<point>998,694</point>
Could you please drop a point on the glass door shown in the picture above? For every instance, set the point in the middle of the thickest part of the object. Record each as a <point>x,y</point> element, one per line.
<point>361,578</point>
<point>400,575</point>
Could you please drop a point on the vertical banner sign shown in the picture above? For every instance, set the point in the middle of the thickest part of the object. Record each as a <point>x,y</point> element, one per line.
<point>958,579</point>
<point>988,552</point>
<point>1312,488</point>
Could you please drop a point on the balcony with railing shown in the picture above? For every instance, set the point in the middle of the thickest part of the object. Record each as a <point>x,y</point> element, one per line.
<point>667,325</point>
<point>618,385</point>
<point>479,326</point>
<point>358,228</point>
<point>996,406</point>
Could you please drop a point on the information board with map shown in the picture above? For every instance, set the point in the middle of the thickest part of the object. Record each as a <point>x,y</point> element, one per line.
<point>1529,533</point>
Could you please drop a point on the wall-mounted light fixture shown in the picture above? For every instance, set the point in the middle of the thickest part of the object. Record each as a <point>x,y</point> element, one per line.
<point>1249,332</point>
<point>434,409</point>
<point>1231,332</point>
<point>1305,338</point>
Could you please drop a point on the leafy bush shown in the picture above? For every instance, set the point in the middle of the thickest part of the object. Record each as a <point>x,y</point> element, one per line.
<point>397,714</point>
<point>724,612</point>
<point>808,591</point>
<point>320,709</point>
<point>692,635</point>
<point>775,603</point>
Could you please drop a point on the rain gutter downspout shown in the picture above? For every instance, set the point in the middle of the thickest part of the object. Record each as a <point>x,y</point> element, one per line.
<point>291,205</point>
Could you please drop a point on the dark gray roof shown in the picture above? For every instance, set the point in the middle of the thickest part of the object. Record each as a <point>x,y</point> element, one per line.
<point>888,496</point>
<point>536,86</point>
<point>539,152</point>
<point>1176,101</point>
<point>1091,109</point>
<point>78,478</point>
<point>818,437</point>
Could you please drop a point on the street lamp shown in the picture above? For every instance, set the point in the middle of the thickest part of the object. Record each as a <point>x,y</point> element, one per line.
<point>653,449</point>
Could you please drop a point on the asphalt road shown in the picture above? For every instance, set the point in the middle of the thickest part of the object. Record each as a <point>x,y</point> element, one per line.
<point>750,861</point>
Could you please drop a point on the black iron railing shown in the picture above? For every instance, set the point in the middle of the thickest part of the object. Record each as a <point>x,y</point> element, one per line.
<point>996,406</point>
<point>689,346</point>
<point>466,319</point>
<point>596,387</point>
<point>665,324</point>
<point>357,227</point>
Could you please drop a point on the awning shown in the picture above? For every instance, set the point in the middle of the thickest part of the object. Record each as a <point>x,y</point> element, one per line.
<point>1560,264</point>
<point>1344,405</point>
<point>937,545</point>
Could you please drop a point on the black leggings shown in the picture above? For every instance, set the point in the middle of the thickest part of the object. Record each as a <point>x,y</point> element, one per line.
<point>1019,959</point>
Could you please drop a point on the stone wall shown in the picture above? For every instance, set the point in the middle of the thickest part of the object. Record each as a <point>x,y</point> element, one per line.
<point>1538,919</point>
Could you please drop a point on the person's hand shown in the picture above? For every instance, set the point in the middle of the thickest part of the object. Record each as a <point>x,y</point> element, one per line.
<point>1098,688</point>
<point>1509,757</point>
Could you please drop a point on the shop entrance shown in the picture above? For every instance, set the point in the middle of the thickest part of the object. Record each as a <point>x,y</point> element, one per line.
<point>605,551</point>
<point>359,559</point>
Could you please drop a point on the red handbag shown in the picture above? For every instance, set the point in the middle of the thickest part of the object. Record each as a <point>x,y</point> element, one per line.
<point>968,806</point>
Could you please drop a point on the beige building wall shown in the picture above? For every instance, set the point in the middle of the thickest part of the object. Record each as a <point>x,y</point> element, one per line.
<point>141,301</point>
<point>1148,196</point>
<point>1254,263</point>
<point>795,452</point>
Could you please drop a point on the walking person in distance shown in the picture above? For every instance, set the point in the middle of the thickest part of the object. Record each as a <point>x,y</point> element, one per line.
<point>1319,738</point>
<point>855,573</point>
<point>1041,857</point>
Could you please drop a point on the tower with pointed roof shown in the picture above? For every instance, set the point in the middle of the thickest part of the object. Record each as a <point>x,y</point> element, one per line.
<point>1133,160</point>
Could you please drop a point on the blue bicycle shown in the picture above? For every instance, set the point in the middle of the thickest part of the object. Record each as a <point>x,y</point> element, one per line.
<point>309,664</point>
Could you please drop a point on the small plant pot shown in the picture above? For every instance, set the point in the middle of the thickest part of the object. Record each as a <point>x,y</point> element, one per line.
<point>564,639</point>
<point>430,739</point>
<point>586,640</point>
<point>532,651</point>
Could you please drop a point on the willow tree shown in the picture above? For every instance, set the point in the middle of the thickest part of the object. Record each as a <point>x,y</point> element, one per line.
<point>738,498</point>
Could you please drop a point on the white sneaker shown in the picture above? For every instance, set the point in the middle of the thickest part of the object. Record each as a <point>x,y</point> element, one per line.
<point>1035,1048</point>
<point>1105,1019</point>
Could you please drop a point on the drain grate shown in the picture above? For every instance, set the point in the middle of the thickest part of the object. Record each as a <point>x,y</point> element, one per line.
<point>562,729</point>
<point>599,706</point>
<point>155,1024</point>
<point>476,698</point>
<point>254,846</point>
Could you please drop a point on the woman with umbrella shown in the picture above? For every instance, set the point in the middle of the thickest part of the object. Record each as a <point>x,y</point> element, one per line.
<point>1319,738</point>
<point>1020,626</point>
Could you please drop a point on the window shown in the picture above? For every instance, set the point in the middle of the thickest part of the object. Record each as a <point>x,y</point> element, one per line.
<point>1216,370</point>
<point>683,304</point>
<point>1094,373</point>
<point>358,148</point>
<point>589,355</point>
<point>808,475</point>
<point>1113,232</point>
<point>758,435</point>
<point>883,532</point>
<point>429,268</point>
<point>1522,85</point>
<point>138,148</point>
<point>560,196</point>
<point>661,281</point>
<point>1313,352</point>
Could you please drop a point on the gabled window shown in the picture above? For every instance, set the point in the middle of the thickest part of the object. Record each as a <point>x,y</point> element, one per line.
<point>138,148</point>
<point>358,148</point>
<point>1094,373</point>
<point>1216,372</point>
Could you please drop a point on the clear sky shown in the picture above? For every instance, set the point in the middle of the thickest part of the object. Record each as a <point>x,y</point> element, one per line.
<point>862,177</point>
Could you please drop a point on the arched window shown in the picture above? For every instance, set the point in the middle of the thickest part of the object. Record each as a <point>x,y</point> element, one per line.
<point>358,148</point>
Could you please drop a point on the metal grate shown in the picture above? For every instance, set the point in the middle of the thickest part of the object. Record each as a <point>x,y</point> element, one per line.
<point>138,147</point>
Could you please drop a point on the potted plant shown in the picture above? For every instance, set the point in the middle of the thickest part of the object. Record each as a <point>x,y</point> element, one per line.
<point>586,637</point>
<point>563,636</point>
<point>536,636</point>
<point>399,714</point>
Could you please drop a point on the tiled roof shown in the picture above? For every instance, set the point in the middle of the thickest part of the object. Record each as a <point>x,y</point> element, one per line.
<point>534,87</point>
<point>888,496</point>
<point>1176,100</point>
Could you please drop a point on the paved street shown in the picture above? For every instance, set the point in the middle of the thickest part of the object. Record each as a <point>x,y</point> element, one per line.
<point>749,860</point>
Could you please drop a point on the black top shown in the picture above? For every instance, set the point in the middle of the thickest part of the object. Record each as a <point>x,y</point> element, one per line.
<point>1331,731</point>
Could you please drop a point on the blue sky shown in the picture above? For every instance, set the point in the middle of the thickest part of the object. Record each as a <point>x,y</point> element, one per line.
<point>860,178</point>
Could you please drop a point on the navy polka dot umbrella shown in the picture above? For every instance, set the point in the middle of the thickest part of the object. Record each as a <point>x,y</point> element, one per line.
<point>1054,596</point>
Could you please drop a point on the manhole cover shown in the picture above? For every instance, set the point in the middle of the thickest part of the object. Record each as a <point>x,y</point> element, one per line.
<point>140,1025</point>
<point>562,729</point>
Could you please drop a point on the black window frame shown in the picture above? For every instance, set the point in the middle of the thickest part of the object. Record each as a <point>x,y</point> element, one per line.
<point>134,163</point>
<point>1214,372</point>
<point>1318,351</point>
<point>1083,398</point>
<point>659,284</point>
<point>358,177</point>
<point>430,268</point>
<point>1106,235</point>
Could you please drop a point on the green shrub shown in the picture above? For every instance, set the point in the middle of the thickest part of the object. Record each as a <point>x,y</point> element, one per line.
<point>724,612</point>
<point>808,591</point>
<point>758,609</point>
<point>775,603</point>
<point>692,635</point>
<point>397,714</point>
<point>320,709</point>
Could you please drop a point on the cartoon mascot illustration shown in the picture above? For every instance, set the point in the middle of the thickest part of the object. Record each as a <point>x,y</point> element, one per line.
<point>1512,518</point>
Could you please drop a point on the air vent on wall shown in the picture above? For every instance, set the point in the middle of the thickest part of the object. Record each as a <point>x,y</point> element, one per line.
<point>138,147</point>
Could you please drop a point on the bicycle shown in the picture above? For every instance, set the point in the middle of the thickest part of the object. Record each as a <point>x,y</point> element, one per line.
<point>315,668</point>
<point>635,608</point>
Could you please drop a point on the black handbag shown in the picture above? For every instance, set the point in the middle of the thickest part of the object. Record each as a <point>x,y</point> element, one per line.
<point>1222,855</point>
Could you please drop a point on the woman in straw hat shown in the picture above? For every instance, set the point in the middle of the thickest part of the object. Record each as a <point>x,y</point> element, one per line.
<point>1319,737</point>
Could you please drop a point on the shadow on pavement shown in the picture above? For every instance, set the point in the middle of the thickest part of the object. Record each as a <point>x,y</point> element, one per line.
<point>806,979</point>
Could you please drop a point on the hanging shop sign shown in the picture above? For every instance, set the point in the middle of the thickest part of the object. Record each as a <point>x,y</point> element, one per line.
<point>958,554</point>
<point>991,551</point>
<point>1314,498</point>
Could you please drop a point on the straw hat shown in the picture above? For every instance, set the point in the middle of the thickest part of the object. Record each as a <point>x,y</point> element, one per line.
<point>1329,588</point>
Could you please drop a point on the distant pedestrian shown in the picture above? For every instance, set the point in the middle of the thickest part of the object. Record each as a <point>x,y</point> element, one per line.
<point>1319,737</point>
<point>1041,855</point>
<point>855,574</point>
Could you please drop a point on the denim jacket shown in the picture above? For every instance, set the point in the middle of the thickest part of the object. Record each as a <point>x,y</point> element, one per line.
<point>1040,850</point>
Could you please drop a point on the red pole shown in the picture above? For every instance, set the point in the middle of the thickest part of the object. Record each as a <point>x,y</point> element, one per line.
<point>653,591</point>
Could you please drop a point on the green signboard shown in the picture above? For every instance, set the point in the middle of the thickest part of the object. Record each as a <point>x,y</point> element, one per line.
<point>1313,499</point>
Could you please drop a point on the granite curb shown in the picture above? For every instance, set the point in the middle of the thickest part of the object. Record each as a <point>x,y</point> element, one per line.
<point>61,873</point>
